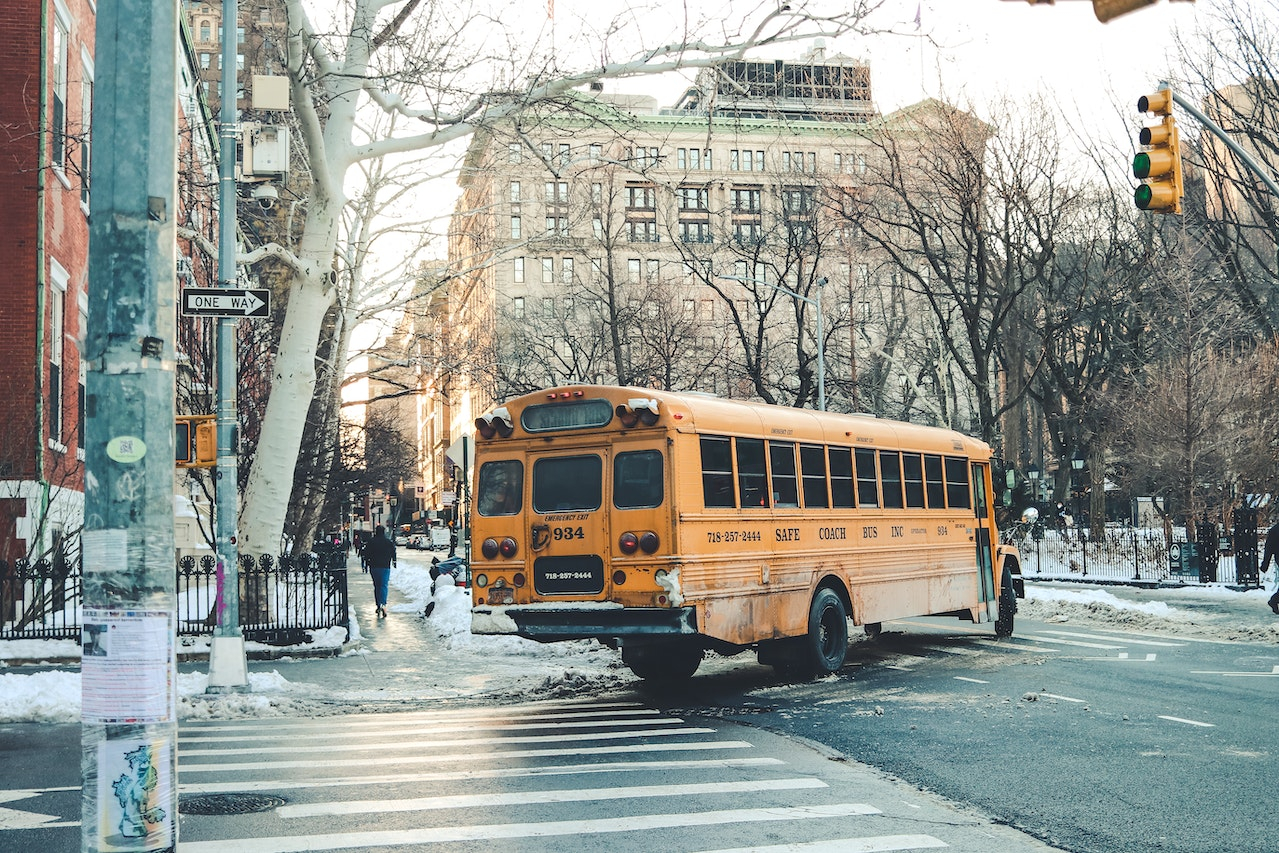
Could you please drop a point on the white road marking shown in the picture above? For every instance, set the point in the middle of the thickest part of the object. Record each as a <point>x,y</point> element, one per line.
<point>18,819</point>
<point>953,650</point>
<point>562,795</point>
<point>473,757</point>
<point>1042,639</point>
<point>274,733</point>
<point>973,680</point>
<point>1123,656</point>
<point>1061,698</point>
<point>397,722</point>
<point>878,844</point>
<point>1014,644</point>
<point>1105,637</point>
<point>1274,673</point>
<point>1188,722</point>
<point>463,775</point>
<point>449,744</point>
<point>547,829</point>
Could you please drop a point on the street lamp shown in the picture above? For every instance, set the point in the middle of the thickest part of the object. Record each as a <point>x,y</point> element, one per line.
<point>821,331</point>
<point>1077,465</point>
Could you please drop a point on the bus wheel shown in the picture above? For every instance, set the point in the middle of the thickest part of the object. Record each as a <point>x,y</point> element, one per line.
<point>1007,607</point>
<point>674,660</point>
<point>827,631</point>
<point>873,629</point>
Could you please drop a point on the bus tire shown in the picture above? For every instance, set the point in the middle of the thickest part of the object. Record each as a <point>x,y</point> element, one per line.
<point>827,632</point>
<point>664,662</point>
<point>1007,606</point>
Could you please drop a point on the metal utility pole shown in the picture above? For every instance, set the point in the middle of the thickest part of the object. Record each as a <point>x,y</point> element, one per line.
<point>129,674</point>
<point>228,669</point>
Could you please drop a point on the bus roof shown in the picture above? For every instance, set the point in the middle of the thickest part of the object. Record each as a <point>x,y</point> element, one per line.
<point>704,413</point>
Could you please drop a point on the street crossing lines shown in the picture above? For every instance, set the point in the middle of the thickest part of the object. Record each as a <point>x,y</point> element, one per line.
<point>879,844</point>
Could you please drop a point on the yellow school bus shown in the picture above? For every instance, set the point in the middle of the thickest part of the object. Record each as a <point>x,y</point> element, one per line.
<point>666,524</point>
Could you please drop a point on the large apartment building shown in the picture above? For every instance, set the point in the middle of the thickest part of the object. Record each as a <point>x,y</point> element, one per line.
<point>610,240</point>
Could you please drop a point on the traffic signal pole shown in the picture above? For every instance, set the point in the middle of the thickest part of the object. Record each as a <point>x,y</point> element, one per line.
<point>1217,131</point>
<point>228,667</point>
<point>128,671</point>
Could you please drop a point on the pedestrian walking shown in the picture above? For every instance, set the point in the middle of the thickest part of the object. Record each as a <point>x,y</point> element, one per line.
<point>379,556</point>
<point>1272,552</point>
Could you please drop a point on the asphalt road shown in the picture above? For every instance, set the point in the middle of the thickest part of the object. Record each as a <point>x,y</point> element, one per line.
<point>1092,739</point>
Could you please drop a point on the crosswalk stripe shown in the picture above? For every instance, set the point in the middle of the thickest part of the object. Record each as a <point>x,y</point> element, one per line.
<point>492,756</point>
<point>1040,638</point>
<point>877,844</point>
<point>195,788</point>
<point>1113,639</point>
<point>382,720</point>
<point>491,832</point>
<point>378,748</point>
<point>274,734</point>
<point>558,795</point>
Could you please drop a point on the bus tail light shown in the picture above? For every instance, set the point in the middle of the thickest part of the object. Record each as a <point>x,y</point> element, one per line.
<point>649,542</point>
<point>496,423</point>
<point>518,579</point>
<point>638,410</point>
<point>508,547</point>
<point>628,543</point>
<point>619,578</point>
<point>481,580</point>
<point>489,548</point>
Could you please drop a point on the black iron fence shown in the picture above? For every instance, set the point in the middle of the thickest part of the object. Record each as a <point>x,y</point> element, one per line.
<point>1136,554</point>
<point>283,601</point>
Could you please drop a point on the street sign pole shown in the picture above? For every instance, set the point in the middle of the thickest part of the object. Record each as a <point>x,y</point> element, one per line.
<point>128,675</point>
<point>228,664</point>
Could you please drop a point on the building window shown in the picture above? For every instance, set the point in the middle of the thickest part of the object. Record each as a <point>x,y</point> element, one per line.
<point>641,198</point>
<point>746,201</point>
<point>653,269</point>
<point>204,61</point>
<point>513,153</point>
<point>517,273</point>
<point>61,35</point>
<point>633,269</point>
<point>566,271</point>
<point>206,31</point>
<point>515,192</point>
<point>557,192</point>
<point>642,231</point>
<point>597,193</point>
<point>693,198</point>
<point>557,226</point>
<point>517,307</point>
<point>548,306</point>
<point>86,115</point>
<point>548,270</point>
<point>747,233</point>
<point>693,231</point>
<point>797,201</point>
<point>595,152</point>
<point>515,228</point>
<point>597,228</point>
<point>59,279</point>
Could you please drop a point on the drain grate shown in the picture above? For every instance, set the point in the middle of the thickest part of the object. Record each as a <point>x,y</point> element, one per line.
<point>224,804</point>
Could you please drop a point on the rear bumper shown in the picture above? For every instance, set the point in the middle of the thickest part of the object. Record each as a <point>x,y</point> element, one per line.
<point>550,624</point>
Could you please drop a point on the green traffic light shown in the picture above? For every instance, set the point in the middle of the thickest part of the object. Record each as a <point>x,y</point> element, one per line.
<point>1143,195</point>
<point>1141,165</point>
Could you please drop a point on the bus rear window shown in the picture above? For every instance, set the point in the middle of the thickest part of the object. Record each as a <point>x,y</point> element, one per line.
<point>571,414</point>
<point>717,472</point>
<point>841,477</point>
<point>501,488</point>
<point>867,479</point>
<point>890,474</point>
<point>638,480</point>
<point>812,465</point>
<point>781,457</point>
<point>567,483</point>
<point>913,476</point>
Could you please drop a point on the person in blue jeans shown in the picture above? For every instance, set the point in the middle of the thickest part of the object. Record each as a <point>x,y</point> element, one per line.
<point>379,557</point>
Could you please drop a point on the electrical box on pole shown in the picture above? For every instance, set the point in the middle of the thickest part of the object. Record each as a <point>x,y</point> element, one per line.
<point>1159,165</point>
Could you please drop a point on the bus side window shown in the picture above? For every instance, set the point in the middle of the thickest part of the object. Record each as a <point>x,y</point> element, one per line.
<point>781,458</point>
<point>867,481</point>
<point>638,480</point>
<point>752,479</point>
<point>812,466</point>
<point>501,488</point>
<point>934,484</point>
<point>957,494</point>
<point>913,475</point>
<point>717,471</point>
<point>841,477</point>
<point>890,475</point>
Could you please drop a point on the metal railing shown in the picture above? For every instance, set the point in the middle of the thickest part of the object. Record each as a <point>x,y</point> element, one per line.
<point>282,600</point>
<point>1124,554</point>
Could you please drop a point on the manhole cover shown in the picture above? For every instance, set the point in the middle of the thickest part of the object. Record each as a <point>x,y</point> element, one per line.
<point>216,804</point>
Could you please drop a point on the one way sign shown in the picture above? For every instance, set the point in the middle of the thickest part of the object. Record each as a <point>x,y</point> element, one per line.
<point>224,302</point>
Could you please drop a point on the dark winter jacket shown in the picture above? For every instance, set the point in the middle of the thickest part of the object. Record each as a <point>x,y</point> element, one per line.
<point>379,553</point>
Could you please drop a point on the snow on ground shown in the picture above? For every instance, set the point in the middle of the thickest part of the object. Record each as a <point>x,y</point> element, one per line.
<point>452,663</point>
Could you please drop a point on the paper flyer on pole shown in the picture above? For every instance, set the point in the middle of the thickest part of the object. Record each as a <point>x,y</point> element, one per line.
<point>126,669</point>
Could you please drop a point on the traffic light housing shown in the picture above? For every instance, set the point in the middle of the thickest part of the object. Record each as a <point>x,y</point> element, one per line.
<point>1159,165</point>
<point>197,441</point>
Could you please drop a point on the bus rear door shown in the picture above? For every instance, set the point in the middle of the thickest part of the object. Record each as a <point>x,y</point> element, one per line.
<point>569,533</point>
